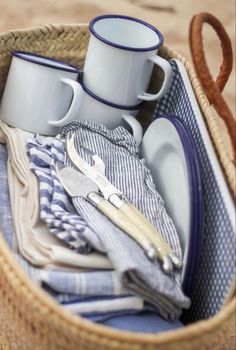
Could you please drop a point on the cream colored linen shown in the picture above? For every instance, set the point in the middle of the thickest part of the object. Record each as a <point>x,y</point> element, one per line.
<point>34,241</point>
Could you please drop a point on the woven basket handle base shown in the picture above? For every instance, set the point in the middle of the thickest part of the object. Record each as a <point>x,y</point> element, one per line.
<point>213,89</point>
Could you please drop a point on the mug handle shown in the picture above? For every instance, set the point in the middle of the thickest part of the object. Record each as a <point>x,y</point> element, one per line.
<point>167,69</point>
<point>136,127</point>
<point>75,104</point>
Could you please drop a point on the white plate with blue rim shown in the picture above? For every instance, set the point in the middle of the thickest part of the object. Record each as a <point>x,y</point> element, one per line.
<point>171,156</point>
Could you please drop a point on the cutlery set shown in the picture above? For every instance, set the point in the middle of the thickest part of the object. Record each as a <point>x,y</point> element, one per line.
<point>91,183</point>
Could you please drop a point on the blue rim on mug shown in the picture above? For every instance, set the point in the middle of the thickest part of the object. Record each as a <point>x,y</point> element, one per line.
<point>124,47</point>
<point>108,103</point>
<point>29,56</point>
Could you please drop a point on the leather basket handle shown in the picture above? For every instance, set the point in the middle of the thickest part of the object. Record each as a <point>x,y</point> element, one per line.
<point>213,89</point>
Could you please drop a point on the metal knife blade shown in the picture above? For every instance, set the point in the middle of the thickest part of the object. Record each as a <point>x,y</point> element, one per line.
<point>165,253</point>
<point>75,183</point>
<point>102,182</point>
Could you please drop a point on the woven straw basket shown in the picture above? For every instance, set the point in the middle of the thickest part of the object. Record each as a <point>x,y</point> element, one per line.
<point>29,319</point>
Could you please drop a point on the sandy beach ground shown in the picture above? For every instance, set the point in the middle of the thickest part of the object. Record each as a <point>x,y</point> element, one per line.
<point>171,17</point>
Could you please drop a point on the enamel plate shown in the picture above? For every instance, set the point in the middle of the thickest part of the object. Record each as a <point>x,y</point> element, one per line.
<point>169,157</point>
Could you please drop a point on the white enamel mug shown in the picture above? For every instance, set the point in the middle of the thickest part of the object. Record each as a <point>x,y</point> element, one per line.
<point>39,91</point>
<point>121,53</point>
<point>98,110</point>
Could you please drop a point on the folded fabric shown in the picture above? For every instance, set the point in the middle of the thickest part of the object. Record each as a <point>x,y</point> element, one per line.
<point>106,306</point>
<point>146,322</point>
<point>35,242</point>
<point>2,136</point>
<point>128,315</point>
<point>93,288</point>
<point>56,208</point>
<point>137,274</point>
<point>120,315</point>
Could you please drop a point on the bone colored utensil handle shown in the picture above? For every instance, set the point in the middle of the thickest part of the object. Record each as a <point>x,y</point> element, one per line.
<point>140,220</point>
<point>163,248</point>
<point>123,222</point>
<point>143,222</point>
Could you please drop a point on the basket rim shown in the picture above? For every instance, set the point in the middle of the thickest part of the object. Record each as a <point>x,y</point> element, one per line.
<point>43,28</point>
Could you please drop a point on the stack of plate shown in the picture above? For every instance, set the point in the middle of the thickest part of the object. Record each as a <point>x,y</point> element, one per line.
<point>171,156</point>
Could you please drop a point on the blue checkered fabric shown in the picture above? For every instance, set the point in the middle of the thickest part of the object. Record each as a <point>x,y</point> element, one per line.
<point>216,271</point>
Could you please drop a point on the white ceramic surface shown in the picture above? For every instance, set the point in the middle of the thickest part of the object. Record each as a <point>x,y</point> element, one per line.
<point>164,154</point>
<point>39,90</point>
<point>121,53</point>
<point>98,112</point>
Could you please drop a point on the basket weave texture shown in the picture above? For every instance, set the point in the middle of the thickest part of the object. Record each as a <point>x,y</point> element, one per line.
<point>29,318</point>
